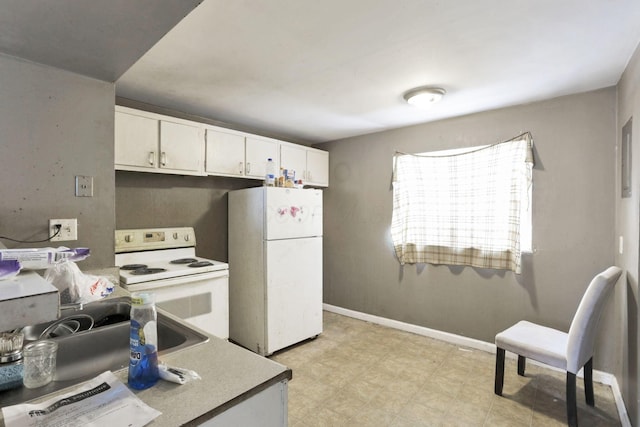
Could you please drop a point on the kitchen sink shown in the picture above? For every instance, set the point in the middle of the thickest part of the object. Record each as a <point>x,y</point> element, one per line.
<point>86,353</point>
<point>75,319</point>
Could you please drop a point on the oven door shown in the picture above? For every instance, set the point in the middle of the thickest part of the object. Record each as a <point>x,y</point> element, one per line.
<point>200,299</point>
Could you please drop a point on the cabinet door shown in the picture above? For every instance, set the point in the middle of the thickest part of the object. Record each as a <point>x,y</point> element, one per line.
<point>318,168</point>
<point>181,148</point>
<point>136,142</point>
<point>256,155</point>
<point>294,158</point>
<point>224,153</point>
<point>266,408</point>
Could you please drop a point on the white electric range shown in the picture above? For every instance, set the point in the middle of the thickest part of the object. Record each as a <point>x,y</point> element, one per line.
<point>164,261</point>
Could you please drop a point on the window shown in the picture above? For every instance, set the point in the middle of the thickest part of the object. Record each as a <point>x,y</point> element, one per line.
<point>464,208</point>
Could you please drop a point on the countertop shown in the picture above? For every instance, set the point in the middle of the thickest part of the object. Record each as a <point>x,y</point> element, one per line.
<point>230,374</point>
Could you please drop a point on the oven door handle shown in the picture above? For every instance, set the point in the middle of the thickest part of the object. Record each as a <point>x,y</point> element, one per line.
<point>176,281</point>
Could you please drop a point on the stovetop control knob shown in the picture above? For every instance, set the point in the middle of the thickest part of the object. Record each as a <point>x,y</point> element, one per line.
<point>127,238</point>
<point>175,236</point>
<point>186,237</point>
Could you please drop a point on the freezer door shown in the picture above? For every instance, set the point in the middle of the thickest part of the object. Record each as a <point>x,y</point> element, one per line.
<point>294,291</point>
<point>292,213</point>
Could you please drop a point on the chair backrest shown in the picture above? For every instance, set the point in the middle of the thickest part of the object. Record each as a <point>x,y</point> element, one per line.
<point>582,332</point>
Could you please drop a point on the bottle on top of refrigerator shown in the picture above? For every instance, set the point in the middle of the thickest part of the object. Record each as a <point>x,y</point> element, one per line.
<point>143,362</point>
<point>270,176</point>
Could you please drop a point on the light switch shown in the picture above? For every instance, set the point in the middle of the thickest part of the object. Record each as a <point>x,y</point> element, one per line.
<point>84,186</point>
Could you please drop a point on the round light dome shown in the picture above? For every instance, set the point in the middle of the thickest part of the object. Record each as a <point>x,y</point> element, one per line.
<point>424,96</point>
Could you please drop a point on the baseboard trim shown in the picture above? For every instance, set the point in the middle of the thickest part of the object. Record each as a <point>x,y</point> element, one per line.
<point>598,376</point>
<point>419,330</point>
<point>622,409</point>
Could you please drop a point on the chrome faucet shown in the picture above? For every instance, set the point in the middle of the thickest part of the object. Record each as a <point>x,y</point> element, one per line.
<point>72,306</point>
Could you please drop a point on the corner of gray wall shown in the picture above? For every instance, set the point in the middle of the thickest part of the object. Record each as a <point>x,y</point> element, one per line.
<point>55,125</point>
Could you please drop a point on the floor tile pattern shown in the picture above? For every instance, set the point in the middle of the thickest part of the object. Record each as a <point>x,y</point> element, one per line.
<point>361,374</point>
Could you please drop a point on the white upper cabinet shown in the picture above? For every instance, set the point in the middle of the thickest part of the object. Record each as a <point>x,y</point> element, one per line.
<point>317,167</point>
<point>257,151</point>
<point>311,165</point>
<point>236,154</point>
<point>294,157</point>
<point>136,139</point>
<point>181,148</point>
<point>146,142</point>
<point>150,142</point>
<point>225,153</point>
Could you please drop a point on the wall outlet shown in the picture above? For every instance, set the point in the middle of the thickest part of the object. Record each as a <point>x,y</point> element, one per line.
<point>621,245</point>
<point>68,230</point>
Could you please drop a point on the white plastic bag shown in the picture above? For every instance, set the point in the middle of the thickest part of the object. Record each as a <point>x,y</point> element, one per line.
<point>76,286</point>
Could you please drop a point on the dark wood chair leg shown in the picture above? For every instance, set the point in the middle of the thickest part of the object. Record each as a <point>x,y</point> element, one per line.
<point>522,361</point>
<point>588,382</point>
<point>572,407</point>
<point>499,382</point>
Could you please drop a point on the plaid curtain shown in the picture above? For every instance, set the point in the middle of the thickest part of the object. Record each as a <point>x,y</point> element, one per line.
<point>462,209</point>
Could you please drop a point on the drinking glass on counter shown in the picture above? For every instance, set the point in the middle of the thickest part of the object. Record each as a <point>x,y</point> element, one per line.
<point>39,363</point>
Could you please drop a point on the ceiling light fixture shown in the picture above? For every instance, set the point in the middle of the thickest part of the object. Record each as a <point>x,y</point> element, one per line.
<point>424,96</point>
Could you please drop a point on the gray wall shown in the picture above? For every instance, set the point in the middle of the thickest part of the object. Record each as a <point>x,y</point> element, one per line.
<point>146,200</point>
<point>573,223</point>
<point>627,221</point>
<point>55,125</point>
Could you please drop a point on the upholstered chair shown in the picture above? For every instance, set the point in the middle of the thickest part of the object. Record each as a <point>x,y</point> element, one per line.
<point>567,351</point>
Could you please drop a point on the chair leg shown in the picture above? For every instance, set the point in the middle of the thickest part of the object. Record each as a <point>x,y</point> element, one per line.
<point>572,407</point>
<point>522,361</point>
<point>588,382</point>
<point>499,380</point>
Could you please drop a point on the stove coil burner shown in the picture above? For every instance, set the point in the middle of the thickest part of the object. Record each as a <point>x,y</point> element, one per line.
<point>183,261</point>
<point>133,266</point>
<point>144,271</point>
<point>200,264</point>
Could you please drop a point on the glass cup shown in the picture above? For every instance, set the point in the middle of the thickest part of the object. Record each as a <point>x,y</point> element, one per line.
<point>39,363</point>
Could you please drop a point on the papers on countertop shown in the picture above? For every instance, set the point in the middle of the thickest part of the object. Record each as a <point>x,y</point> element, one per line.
<point>41,258</point>
<point>101,402</point>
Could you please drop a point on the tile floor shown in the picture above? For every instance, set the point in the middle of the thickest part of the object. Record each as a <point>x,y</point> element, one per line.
<point>361,374</point>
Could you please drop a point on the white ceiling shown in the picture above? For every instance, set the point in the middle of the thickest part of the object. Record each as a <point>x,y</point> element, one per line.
<point>315,71</point>
<point>322,70</point>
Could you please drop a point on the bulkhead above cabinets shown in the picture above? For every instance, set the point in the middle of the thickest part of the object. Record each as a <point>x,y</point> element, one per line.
<point>150,142</point>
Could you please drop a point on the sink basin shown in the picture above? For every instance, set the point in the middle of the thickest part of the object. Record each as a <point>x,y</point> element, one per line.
<point>84,354</point>
<point>92,315</point>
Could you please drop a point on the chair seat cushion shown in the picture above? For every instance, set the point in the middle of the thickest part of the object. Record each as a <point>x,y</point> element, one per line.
<point>535,342</point>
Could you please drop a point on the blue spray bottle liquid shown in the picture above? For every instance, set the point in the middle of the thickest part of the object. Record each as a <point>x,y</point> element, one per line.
<point>143,362</point>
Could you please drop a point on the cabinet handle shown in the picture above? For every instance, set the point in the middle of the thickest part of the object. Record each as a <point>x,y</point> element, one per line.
<point>152,158</point>
<point>309,176</point>
<point>163,159</point>
<point>240,167</point>
<point>248,167</point>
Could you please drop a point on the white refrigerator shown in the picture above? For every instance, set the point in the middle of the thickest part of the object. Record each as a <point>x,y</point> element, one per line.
<point>275,267</point>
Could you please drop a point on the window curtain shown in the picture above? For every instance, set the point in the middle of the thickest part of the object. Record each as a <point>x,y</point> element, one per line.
<point>462,209</point>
